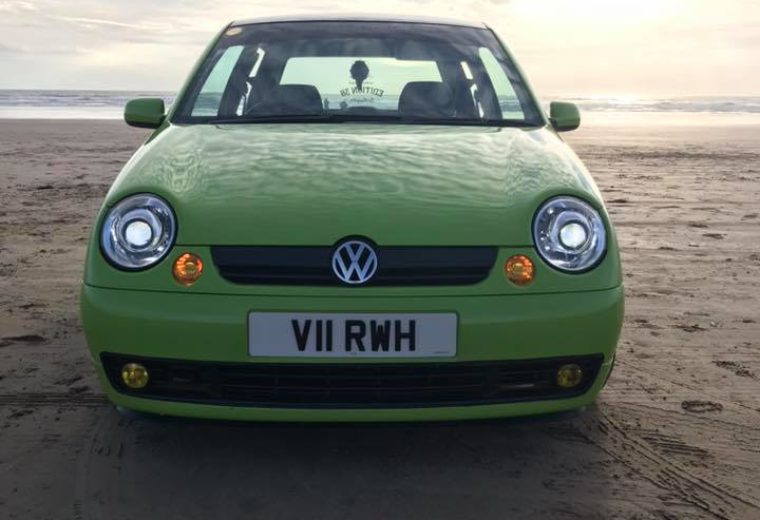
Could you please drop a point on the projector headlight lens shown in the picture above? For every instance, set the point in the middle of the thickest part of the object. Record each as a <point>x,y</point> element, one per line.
<point>569,234</point>
<point>138,232</point>
<point>573,235</point>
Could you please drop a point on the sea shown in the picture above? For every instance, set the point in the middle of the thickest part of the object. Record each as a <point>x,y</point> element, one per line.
<point>95,104</point>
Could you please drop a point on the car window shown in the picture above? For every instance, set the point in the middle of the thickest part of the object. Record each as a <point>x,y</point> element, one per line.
<point>211,93</point>
<point>399,72</point>
<point>506,95</point>
<point>346,82</point>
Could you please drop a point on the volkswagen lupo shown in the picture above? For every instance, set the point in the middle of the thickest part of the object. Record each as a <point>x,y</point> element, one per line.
<point>353,219</point>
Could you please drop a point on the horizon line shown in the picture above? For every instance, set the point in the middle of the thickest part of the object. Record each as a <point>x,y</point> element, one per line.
<point>590,97</point>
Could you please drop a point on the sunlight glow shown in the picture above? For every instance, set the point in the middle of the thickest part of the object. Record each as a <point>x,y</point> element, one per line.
<point>602,48</point>
<point>594,12</point>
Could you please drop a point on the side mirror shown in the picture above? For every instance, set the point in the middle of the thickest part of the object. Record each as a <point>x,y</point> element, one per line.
<point>564,116</point>
<point>144,112</point>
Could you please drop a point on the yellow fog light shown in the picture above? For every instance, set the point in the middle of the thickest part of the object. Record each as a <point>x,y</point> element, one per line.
<point>134,376</point>
<point>187,269</point>
<point>569,376</point>
<point>519,269</point>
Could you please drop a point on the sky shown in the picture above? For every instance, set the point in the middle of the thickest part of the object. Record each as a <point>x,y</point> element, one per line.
<point>586,48</point>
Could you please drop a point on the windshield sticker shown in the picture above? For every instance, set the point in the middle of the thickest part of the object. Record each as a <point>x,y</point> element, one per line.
<point>361,92</point>
<point>360,72</point>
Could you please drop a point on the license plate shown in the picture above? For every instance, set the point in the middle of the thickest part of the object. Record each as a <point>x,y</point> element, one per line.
<point>288,334</point>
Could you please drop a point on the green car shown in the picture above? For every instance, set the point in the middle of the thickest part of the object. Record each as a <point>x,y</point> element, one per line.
<point>353,219</point>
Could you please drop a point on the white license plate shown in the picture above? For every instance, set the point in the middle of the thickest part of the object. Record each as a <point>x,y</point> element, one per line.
<point>288,334</point>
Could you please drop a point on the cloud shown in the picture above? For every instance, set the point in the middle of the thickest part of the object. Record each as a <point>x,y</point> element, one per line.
<point>110,23</point>
<point>16,6</point>
<point>8,49</point>
<point>567,46</point>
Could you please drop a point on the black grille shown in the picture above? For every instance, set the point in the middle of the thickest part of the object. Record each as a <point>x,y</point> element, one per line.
<point>312,265</point>
<point>352,385</point>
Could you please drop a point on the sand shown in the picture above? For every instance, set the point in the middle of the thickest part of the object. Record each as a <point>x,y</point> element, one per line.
<point>676,434</point>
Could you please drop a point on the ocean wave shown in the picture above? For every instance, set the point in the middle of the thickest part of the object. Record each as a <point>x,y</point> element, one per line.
<point>714,105</point>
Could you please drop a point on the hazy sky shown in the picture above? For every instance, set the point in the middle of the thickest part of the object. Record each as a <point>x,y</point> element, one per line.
<point>566,47</point>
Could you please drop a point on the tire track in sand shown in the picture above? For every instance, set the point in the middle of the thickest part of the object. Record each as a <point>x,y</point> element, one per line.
<point>36,399</point>
<point>719,500</point>
<point>98,469</point>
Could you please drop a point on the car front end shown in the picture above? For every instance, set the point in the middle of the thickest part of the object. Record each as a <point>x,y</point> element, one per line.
<point>363,264</point>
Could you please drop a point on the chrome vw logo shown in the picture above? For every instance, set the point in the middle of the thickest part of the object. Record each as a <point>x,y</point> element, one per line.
<point>354,262</point>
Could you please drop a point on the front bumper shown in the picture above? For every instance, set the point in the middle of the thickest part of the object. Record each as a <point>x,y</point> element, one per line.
<point>213,329</point>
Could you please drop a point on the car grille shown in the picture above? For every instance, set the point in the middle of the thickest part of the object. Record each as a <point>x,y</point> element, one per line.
<point>352,385</point>
<point>312,265</point>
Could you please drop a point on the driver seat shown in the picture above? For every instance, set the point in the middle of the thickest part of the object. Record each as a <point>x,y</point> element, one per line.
<point>296,100</point>
<point>427,99</point>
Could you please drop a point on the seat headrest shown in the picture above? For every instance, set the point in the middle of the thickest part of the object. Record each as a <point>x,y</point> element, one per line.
<point>291,99</point>
<point>426,99</point>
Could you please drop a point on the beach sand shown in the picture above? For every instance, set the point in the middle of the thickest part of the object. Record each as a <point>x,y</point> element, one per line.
<point>676,433</point>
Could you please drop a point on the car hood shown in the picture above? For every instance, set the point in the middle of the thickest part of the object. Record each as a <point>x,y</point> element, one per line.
<point>315,184</point>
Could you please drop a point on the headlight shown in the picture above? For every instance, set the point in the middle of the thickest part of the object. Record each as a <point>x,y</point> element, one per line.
<point>138,232</point>
<point>569,234</point>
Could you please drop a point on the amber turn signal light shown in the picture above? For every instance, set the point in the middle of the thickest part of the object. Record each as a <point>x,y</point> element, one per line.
<point>519,269</point>
<point>187,269</point>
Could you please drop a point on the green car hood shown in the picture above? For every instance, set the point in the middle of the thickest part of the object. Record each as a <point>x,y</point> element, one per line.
<point>314,184</point>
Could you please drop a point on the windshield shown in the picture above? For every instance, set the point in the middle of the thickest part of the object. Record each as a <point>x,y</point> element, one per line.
<point>358,71</point>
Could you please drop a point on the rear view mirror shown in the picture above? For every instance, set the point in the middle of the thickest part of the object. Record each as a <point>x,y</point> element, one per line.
<point>144,112</point>
<point>564,116</point>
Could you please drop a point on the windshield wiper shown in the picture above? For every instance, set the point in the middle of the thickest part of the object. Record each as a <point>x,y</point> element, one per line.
<point>308,118</point>
<point>369,118</point>
<point>283,118</point>
<point>466,122</point>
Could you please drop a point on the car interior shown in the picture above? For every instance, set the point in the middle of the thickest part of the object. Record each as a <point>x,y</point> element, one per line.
<point>464,91</point>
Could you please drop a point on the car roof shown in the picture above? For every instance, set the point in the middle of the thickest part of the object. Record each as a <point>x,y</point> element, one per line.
<point>359,18</point>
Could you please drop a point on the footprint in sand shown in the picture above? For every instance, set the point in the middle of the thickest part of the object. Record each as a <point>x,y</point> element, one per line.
<point>701,406</point>
<point>25,338</point>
